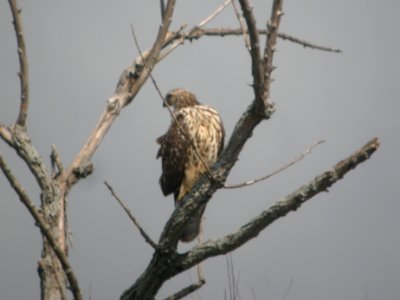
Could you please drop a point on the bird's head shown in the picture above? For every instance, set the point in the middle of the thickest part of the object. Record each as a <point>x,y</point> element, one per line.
<point>180,98</point>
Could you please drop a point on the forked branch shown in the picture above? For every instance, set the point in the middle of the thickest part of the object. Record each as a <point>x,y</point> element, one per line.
<point>129,84</point>
<point>177,38</point>
<point>44,227</point>
<point>291,202</point>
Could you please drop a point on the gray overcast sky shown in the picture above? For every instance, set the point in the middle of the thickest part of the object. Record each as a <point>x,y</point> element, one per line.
<point>337,246</point>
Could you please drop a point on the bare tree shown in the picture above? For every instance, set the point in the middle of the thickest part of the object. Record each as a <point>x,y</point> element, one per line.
<point>56,273</point>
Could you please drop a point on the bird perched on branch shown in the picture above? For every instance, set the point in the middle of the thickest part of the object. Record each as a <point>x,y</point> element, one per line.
<point>190,146</point>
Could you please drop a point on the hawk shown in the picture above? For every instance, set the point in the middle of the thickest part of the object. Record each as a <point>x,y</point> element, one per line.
<point>194,128</point>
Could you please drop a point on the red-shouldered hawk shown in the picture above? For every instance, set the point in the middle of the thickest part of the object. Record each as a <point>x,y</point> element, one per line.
<point>181,167</point>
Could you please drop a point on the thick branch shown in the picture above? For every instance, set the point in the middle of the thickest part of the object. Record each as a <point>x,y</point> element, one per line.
<point>129,84</point>
<point>257,67</point>
<point>44,227</point>
<point>270,45</point>
<point>166,263</point>
<point>23,63</point>
<point>152,56</point>
<point>21,143</point>
<point>289,203</point>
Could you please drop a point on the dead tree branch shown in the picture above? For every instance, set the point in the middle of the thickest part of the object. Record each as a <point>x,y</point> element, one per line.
<point>21,143</point>
<point>5,134</point>
<point>162,7</point>
<point>242,29</point>
<point>54,268</point>
<point>133,219</point>
<point>129,84</point>
<point>291,202</point>
<point>257,67</point>
<point>166,263</point>
<point>214,14</point>
<point>177,38</point>
<point>222,32</point>
<point>307,44</point>
<point>53,208</point>
<point>286,166</point>
<point>270,47</point>
<point>187,290</point>
<point>44,227</point>
<point>23,63</point>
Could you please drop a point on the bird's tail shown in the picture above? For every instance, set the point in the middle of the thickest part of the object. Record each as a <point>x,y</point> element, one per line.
<point>192,227</point>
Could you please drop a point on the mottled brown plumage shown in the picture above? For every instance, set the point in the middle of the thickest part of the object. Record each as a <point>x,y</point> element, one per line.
<point>200,127</point>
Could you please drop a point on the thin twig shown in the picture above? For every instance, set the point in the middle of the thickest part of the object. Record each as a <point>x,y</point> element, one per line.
<point>186,291</point>
<point>307,44</point>
<point>242,26</point>
<point>297,159</point>
<point>133,219</point>
<point>194,29</point>
<point>230,274</point>
<point>288,288</point>
<point>233,283</point>
<point>214,14</point>
<point>365,293</point>
<point>200,239</point>
<point>23,63</point>
<point>44,227</point>
<point>223,31</point>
